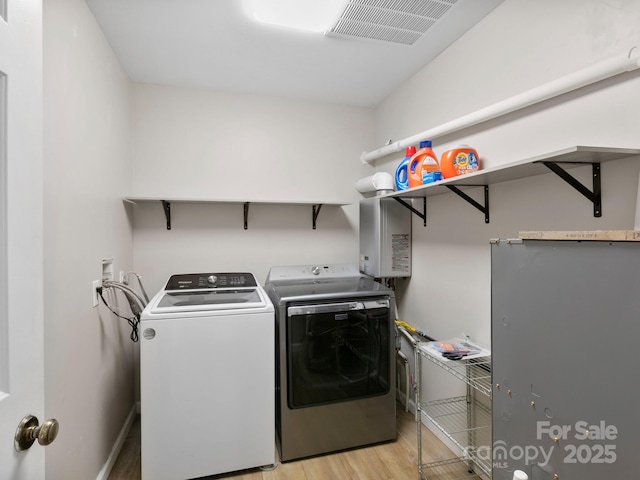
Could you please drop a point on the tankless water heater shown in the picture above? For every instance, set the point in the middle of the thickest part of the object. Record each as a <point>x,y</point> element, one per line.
<point>385,238</point>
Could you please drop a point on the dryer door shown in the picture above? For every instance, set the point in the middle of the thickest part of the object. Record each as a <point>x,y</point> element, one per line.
<point>338,352</point>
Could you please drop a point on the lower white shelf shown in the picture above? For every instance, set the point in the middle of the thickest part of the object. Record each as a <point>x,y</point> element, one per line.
<point>465,424</point>
<point>452,469</point>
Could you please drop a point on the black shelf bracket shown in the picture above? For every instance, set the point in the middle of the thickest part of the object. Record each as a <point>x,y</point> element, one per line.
<point>246,215</point>
<point>483,208</point>
<point>315,210</point>
<point>594,196</point>
<point>167,212</point>
<point>422,215</point>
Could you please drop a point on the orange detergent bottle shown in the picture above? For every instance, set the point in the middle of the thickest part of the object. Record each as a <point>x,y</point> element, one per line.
<point>459,160</point>
<point>423,166</point>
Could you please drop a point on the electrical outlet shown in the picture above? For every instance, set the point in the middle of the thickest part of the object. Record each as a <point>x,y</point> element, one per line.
<point>95,285</point>
<point>107,270</point>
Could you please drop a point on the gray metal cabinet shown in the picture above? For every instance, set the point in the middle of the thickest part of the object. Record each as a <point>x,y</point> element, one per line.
<point>565,336</point>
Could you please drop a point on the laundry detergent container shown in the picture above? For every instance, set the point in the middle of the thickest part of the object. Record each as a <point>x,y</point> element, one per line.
<point>458,161</point>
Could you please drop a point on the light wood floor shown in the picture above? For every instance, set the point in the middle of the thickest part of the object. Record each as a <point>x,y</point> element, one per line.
<point>389,461</point>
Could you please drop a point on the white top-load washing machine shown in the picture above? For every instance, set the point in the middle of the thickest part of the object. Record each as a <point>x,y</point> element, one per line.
<point>207,377</point>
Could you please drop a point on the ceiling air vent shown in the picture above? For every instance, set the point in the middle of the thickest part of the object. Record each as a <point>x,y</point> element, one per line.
<point>398,21</point>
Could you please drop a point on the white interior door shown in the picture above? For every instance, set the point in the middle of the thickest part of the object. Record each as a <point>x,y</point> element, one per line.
<point>21,226</point>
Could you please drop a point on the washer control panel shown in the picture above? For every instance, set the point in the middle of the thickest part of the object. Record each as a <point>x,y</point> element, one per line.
<point>199,281</point>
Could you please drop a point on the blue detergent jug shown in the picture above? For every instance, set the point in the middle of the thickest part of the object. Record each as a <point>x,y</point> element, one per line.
<point>402,172</point>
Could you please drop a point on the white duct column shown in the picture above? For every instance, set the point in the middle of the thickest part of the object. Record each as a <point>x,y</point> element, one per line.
<point>614,66</point>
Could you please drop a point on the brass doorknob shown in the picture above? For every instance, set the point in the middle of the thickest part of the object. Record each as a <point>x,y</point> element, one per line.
<point>29,430</point>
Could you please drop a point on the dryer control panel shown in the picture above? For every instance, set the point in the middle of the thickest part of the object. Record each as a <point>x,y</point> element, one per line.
<point>199,281</point>
<point>312,272</point>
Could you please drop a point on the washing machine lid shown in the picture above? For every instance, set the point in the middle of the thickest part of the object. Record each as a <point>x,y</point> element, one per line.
<point>212,298</point>
<point>209,292</point>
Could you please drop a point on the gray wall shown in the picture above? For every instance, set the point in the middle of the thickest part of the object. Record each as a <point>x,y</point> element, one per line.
<point>217,146</point>
<point>89,369</point>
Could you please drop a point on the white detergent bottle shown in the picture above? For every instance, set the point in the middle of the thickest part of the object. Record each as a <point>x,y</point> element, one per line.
<point>520,475</point>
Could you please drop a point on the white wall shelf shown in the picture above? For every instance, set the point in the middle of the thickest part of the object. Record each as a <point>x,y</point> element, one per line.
<point>569,157</point>
<point>167,201</point>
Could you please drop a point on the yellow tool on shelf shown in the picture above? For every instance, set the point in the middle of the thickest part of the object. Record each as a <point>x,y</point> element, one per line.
<point>411,329</point>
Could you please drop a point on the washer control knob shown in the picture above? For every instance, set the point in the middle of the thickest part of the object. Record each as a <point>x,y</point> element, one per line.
<point>315,270</point>
<point>212,280</point>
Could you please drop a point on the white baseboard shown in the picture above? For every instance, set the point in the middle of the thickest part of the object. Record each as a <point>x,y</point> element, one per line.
<point>402,398</point>
<point>117,446</point>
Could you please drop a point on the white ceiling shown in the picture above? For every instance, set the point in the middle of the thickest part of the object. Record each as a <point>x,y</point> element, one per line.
<point>212,44</point>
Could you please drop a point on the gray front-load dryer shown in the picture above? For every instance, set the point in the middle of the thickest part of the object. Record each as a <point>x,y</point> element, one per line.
<point>335,363</point>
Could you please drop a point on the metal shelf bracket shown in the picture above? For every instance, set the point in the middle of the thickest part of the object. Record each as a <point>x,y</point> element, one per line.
<point>594,196</point>
<point>483,208</point>
<point>422,215</point>
<point>246,215</point>
<point>167,212</point>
